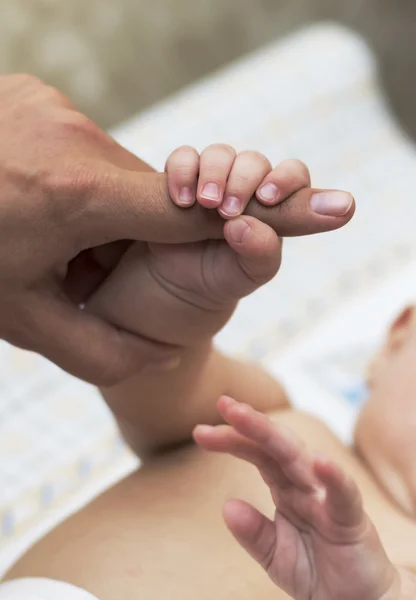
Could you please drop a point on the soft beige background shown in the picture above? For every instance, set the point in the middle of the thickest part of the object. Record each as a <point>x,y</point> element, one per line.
<point>114,57</point>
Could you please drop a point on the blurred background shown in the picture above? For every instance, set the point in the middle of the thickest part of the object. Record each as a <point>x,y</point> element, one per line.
<point>116,57</point>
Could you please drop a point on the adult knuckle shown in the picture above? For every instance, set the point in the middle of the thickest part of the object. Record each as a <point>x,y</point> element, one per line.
<point>56,127</point>
<point>36,93</point>
<point>71,123</point>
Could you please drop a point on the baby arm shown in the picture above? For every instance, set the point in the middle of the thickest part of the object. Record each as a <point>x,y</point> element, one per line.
<point>183,294</point>
<point>155,411</point>
<point>190,292</point>
<point>185,304</point>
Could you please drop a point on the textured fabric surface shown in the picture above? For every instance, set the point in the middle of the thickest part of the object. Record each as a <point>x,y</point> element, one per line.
<point>313,96</point>
<point>325,370</point>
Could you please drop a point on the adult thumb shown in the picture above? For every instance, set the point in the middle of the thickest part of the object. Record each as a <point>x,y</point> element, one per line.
<point>136,206</point>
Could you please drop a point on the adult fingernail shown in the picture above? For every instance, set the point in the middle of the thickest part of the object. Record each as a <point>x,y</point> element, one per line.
<point>331,204</point>
<point>269,193</point>
<point>185,197</point>
<point>238,229</point>
<point>211,191</point>
<point>231,207</point>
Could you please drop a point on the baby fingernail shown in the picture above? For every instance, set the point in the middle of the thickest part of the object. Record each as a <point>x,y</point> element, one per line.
<point>185,197</point>
<point>331,204</point>
<point>211,191</point>
<point>238,229</point>
<point>231,207</point>
<point>269,192</point>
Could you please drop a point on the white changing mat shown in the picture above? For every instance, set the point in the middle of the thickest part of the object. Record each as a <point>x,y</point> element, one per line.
<point>41,589</point>
<point>325,369</point>
<point>313,96</point>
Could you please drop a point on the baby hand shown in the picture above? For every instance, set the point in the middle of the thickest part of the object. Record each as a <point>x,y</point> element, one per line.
<point>222,179</point>
<point>321,544</point>
<point>182,294</point>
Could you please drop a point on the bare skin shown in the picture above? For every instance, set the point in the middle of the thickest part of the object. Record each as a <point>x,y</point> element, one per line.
<point>67,187</point>
<point>320,544</point>
<point>385,434</point>
<point>187,293</point>
<point>159,533</point>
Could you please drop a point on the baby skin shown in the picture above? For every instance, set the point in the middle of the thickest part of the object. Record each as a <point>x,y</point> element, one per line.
<point>183,294</point>
<point>321,544</point>
<point>189,291</point>
<point>330,547</point>
<point>385,434</point>
<point>158,534</point>
<point>193,291</point>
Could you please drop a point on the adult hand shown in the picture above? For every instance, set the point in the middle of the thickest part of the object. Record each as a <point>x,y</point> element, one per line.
<point>66,187</point>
